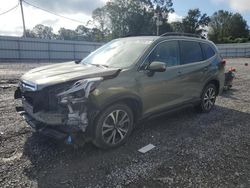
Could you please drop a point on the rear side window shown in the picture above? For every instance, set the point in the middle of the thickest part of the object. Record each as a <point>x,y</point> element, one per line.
<point>208,50</point>
<point>166,52</point>
<point>190,52</point>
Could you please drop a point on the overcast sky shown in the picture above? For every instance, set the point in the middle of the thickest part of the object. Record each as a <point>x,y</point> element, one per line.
<point>11,23</point>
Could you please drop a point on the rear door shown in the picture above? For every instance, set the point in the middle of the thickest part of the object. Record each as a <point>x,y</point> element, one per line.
<point>193,69</point>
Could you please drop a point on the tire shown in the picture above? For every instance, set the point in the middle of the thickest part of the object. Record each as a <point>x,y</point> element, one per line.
<point>113,126</point>
<point>208,99</point>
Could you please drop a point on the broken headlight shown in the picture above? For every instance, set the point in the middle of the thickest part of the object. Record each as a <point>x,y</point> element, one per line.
<point>79,91</point>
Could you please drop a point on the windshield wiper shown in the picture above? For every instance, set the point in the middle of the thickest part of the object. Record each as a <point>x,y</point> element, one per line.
<point>77,61</point>
<point>99,65</point>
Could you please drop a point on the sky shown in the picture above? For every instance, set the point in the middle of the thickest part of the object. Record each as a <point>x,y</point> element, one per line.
<point>11,23</point>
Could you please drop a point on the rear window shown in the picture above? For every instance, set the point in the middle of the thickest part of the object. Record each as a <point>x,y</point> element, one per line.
<point>208,50</point>
<point>190,52</point>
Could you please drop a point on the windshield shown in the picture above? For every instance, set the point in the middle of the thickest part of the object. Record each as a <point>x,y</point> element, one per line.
<point>120,53</point>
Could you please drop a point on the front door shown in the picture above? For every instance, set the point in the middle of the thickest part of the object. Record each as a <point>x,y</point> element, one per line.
<point>161,90</point>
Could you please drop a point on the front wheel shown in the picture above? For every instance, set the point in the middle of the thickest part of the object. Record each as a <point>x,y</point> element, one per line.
<point>208,98</point>
<point>113,126</point>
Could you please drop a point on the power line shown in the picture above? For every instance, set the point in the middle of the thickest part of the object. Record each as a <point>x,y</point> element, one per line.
<point>71,19</point>
<point>7,11</point>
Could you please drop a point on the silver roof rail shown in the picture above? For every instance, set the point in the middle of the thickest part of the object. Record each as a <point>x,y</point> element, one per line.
<point>182,34</point>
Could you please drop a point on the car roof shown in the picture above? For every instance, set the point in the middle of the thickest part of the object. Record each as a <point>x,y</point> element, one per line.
<point>159,38</point>
<point>181,38</point>
<point>156,39</point>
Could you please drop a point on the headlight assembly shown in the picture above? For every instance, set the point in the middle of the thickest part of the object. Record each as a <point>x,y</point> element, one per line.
<point>80,90</point>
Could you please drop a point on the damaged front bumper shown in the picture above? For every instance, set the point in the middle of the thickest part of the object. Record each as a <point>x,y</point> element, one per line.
<point>57,132</point>
<point>69,118</point>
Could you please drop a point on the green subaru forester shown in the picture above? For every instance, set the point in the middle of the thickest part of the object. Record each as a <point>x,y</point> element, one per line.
<point>103,96</point>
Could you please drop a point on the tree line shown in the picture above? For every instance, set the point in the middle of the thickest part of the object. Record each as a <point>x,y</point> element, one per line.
<point>120,18</point>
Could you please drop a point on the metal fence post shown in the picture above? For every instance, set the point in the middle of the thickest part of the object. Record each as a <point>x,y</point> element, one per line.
<point>49,50</point>
<point>19,49</point>
<point>74,49</point>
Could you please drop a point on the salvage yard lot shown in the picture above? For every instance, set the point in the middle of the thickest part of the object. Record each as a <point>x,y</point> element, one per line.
<point>192,149</point>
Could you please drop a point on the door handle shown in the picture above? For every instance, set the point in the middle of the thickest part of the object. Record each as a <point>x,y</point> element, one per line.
<point>179,73</point>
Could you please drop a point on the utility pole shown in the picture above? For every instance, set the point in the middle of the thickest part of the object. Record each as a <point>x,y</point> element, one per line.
<point>158,22</point>
<point>159,16</point>
<point>24,29</point>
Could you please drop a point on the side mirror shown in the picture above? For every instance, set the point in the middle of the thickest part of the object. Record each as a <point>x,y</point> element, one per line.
<point>157,66</point>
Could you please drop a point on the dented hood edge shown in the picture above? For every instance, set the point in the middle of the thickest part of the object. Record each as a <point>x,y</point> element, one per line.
<point>93,72</point>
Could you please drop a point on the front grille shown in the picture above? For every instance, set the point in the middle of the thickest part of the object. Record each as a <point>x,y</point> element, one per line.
<point>37,99</point>
<point>29,100</point>
<point>53,100</point>
<point>45,99</point>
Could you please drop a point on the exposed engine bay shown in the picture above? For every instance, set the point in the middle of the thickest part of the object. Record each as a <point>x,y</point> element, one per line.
<point>74,98</point>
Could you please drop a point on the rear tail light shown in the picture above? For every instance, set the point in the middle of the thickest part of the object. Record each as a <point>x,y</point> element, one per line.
<point>223,62</point>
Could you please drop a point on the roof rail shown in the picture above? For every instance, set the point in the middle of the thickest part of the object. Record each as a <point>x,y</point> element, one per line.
<point>182,34</point>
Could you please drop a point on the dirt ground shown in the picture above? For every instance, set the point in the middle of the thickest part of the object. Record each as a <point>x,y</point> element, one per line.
<point>192,149</point>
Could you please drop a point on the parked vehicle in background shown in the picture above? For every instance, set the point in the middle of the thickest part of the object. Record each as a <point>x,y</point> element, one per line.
<point>126,80</point>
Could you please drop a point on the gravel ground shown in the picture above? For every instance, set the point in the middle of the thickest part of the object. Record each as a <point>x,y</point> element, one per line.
<point>192,149</point>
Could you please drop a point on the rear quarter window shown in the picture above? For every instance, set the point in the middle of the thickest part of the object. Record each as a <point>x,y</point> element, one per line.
<point>208,50</point>
<point>191,52</point>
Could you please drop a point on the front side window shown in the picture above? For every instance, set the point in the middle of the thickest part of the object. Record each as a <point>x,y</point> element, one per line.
<point>166,52</point>
<point>190,52</point>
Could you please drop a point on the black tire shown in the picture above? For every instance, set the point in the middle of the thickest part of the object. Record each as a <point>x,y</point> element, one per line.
<point>208,99</point>
<point>112,130</point>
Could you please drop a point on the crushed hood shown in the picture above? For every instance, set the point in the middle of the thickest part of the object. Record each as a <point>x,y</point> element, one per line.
<point>62,72</point>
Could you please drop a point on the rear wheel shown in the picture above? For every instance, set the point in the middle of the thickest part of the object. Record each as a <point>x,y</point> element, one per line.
<point>208,98</point>
<point>113,126</point>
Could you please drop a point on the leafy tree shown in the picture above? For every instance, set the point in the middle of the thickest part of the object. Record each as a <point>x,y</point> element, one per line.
<point>82,33</point>
<point>30,34</point>
<point>101,23</point>
<point>239,27</point>
<point>100,18</point>
<point>97,35</point>
<point>164,5</point>
<point>219,26</point>
<point>130,17</point>
<point>195,22</point>
<point>41,31</point>
<point>227,27</point>
<point>67,34</point>
<point>177,27</point>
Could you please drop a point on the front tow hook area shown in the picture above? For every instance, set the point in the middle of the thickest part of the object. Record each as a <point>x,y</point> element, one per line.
<point>52,133</point>
<point>18,93</point>
<point>40,128</point>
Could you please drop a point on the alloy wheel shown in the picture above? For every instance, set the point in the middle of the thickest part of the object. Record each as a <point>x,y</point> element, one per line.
<point>209,98</point>
<point>115,127</point>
